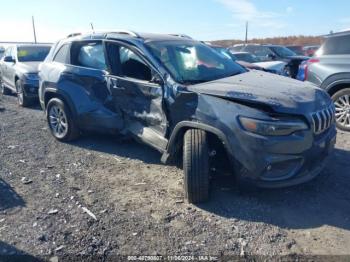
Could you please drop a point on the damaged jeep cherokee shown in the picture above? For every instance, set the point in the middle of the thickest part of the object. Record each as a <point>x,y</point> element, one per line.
<point>199,109</point>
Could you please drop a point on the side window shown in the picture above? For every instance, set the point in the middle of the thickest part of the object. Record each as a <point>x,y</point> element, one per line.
<point>338,45</point>
<point>91,55</point>
<point>8,51</point>
<point>131,65</point>
<point>62,54</point>
<point>13,52</point>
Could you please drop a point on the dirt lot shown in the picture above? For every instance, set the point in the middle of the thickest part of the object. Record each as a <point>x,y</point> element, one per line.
<point>45,187</point>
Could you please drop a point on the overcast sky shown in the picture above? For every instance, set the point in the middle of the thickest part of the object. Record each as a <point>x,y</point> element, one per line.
<point>201,19</point>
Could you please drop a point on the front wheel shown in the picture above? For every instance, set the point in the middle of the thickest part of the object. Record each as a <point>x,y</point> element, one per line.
<point>22,98</point>
<point>61,122</point>
<point>196,166</point>
<point>341,101</point>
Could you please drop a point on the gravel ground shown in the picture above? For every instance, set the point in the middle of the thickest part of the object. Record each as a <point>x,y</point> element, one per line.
<point>106,196</point>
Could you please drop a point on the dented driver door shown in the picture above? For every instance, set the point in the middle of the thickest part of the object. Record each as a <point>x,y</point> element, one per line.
<point>137,95</point>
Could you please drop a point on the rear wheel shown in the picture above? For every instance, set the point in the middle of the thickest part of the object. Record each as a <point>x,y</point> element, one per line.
<point>61,122</point>
<point>196,166</point>
<point>22,99</point>
<point>341,101</point>
<point>4,90</point>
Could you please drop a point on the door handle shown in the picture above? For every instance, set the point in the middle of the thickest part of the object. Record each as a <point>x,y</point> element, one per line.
<point>118,87</point>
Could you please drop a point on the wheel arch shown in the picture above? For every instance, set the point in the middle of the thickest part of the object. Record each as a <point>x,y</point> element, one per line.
<point>175,143</point>
<point>54,93</point>
<point>336,82</point>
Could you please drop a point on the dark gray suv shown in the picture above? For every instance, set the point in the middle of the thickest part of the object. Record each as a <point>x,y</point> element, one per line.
<point>330,70</point>
<point>198,108</point>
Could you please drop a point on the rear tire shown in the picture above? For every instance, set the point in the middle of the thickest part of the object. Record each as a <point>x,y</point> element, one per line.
<point>4,90</point>
<point>60,121</point>
<point>196,166</point>
<point>22,98</point>
<point>341,100</point>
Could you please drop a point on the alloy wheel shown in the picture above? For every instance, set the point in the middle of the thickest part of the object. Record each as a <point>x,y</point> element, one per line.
<point>58,121</point>
<point>342,110</point>
<point>19,93</point>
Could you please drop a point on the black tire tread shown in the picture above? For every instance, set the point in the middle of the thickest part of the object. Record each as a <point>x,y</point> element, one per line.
<point>196,166</point>
<point>73,130</point>
<point>4,90</point>
<point>335,96</point>
<point>26,101</point>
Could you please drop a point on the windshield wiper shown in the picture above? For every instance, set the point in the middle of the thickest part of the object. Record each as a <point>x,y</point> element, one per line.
<point>192,82</point>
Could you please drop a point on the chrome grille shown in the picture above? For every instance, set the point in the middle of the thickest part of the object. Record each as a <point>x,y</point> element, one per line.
<point>323,119</point>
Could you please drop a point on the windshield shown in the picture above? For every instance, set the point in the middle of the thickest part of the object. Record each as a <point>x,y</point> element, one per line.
<point>246,57</point>
<point>190,62</point>
<point>32,53</point>
<point>283,51</point>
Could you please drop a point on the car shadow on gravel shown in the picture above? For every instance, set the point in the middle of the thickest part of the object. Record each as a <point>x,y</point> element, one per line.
<point>322,201</point>
<point>8,197</point>
<point>119,147</point>
<point>10,253</point>
<point>35,105</point>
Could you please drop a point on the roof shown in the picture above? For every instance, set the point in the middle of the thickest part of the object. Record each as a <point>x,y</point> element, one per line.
<point>126,34</point>
<point>341,33</point>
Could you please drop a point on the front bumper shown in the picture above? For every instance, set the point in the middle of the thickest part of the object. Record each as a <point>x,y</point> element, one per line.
<point>281,162</point>
<point>31,88</point>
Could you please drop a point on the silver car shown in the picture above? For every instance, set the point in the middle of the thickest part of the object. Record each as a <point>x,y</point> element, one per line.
<point>330,70</point>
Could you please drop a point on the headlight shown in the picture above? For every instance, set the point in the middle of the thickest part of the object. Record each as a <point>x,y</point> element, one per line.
<point>31,76</point>
<point>273,127</point>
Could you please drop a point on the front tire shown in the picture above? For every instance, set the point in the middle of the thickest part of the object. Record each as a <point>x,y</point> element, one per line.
<point>60,121</point>
<point>22,98</point>
<point>341,101</point>
<point>196,166</point>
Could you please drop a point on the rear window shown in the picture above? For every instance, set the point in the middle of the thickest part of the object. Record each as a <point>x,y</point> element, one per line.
<point>62,54</point>
<point>339,45</point>
<point>32,53</point>
<point>92,55</point>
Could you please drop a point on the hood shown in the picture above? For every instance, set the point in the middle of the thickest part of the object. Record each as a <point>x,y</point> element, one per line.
<point>28,67</point>
<point>274,65</point>
<point>281,94</point>
<point>249,65</point>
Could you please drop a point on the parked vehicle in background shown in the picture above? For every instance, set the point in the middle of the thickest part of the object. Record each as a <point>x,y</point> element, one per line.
<point>276,53</point>
<point>197,107</point>
<point>301,71</point>
<point>19,71</point>
<point>330,70</point>
<point>275,67</point>
<point>249,61</point>
<point>225,52</point>
<point>297,49</point>
<point>2,51</point>
<point>310,50</point>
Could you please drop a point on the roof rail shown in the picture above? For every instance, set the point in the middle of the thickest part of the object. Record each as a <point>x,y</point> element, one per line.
<point>125,32</point>
<point>73,34</point>
<point>182,35</point>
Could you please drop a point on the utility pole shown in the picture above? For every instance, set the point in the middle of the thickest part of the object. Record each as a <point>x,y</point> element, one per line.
<point>92,28</point>
<point>34,29</point>
<point>246,32</point>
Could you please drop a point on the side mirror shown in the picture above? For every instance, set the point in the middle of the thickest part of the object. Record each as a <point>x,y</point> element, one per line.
<point>9,59</point>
